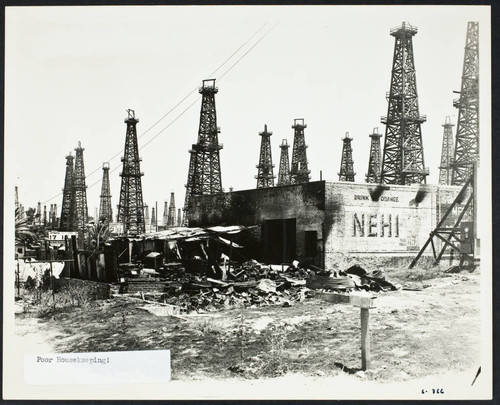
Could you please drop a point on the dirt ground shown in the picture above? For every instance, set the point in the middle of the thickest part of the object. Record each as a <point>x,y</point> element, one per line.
<point>413,334</point>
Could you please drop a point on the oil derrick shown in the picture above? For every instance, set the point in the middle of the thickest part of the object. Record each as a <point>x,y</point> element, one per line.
<point>265,176</point>
<point>131,209</point>
<point>284,170</point>
<point>373,175</point>
<point>179,217</point>
<point>403,159</point>
<point>446,154</point>
<point>105,210</point>
<point>80,192</point>
<point>204,175</point>
<point>45,215</point>
<point>38,214</point>
<point>165,213</point>
<point>146,214</point>
<point>299,172</point>
<point>467,135</point>
<point>17,199</point>
<point>171,211</point>
<point>346,165</point>
<point>153,216</point>
<point>66,221</point>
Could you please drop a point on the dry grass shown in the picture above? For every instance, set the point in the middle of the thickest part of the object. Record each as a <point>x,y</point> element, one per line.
<point>412,334</point>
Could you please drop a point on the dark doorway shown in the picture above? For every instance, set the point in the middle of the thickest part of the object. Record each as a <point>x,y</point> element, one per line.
<point>278,240</point>
<point>310,244</point>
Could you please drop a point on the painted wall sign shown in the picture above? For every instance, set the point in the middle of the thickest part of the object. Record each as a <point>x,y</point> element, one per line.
<point>375,225</point>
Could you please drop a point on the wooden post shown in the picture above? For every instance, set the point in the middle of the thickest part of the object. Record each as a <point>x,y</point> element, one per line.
<point>365,339</point>
<point>53,284</point>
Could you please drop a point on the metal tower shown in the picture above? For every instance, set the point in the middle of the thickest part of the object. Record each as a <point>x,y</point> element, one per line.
<point>179,217</point>
<point>153,216</point>
<point>80,192</point>
<point>204,175</point>
<point>131,209</point>
<point>171,211</point>
<point>67,217</point>
<point>284,170</point>
<point>346,165</point>
<point>265,176</point>
<point>105,210</point>
<point>467,136</point>
<point>403,159</point>
<point>446,153</point>
<point>147,220</point>
<point>17,199</point>
<point>374,164</point>
<point>165,213</point>
<point>299,172</point>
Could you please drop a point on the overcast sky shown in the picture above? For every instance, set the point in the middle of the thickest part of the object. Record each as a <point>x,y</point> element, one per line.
<point>71,73</point>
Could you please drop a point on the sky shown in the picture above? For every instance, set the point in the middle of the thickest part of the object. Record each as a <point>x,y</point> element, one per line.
<point>72,72</point>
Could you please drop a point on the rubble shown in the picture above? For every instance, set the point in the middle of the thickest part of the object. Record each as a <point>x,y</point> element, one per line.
<point>247,284</point>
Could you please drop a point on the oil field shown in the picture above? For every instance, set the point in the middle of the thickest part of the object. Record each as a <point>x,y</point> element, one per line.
<point>306,284</point>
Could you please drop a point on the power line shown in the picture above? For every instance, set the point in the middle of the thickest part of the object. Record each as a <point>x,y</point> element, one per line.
<point>188,107</point>
<point>187,96</point>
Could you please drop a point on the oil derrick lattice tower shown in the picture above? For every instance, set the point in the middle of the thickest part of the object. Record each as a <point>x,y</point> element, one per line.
<point>179,217</point>
<point>284,169</point>
<point>17,199</point>
<point>446,153</point>
<point>403,158</point>
<point>153,216</point>
<point>346,165</point>
<point>467,135</point>
<point>105,210</point>
<point>66,223</point>
<point>171,211</point>
<point>204,176</point>
<point>165,213</point>
<point>299,173</point>
<point>265,176</point>
<point>374,163</point>
<point>131,209</point>
<point>80,192</point>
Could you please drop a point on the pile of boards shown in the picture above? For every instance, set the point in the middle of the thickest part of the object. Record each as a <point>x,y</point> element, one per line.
<point>252,284</point>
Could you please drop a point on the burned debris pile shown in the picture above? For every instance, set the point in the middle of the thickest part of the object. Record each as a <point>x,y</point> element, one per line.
<point>201,270</point>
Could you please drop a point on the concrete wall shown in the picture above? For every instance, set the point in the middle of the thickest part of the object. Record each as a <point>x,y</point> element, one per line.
<point>304,202</point>
<point>366,219</point>
<point>350,219</point>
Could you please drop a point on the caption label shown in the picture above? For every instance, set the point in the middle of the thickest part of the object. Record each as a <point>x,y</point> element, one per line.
<point>138,367</point>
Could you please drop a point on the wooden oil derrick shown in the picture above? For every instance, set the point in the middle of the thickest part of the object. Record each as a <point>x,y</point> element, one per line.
<point>265,176</point>
<point>284,169</point>
<point>131,207</point>
<point>445,168</point>
<point>204,175</point>
<point>375,162</point>
<point>467,136</point>
<point>346,164</point>
<point>403,157</point>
